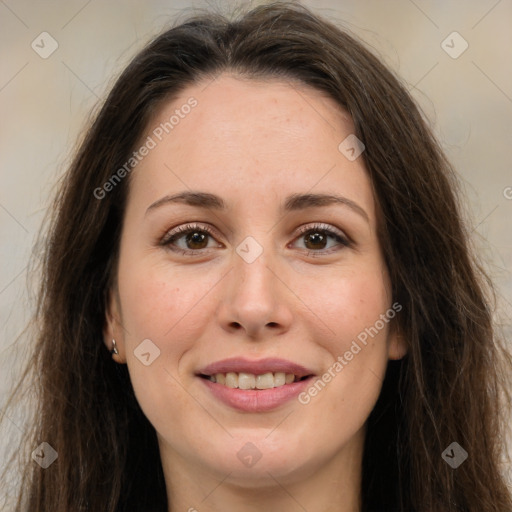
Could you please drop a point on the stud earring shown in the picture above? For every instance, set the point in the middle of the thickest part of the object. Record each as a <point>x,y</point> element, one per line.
<point>114,348</point>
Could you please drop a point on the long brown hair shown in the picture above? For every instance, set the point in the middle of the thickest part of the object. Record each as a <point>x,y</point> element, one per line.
<point>452,385</point>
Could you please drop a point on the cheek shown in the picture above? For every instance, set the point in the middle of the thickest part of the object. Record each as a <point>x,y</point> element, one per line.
<point>170,309</point>
<point>349,303</point>
<point>160,302</point>
<point>353,307</point>
<point>166,307</point>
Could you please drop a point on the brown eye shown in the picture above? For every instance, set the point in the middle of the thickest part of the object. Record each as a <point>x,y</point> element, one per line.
<point>196,240</point>
<point>188,239</point>
<point>316,239</point>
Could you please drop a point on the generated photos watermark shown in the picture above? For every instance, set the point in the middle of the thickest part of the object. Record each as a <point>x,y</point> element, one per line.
<point>150,143</point>
<point>343,360</point>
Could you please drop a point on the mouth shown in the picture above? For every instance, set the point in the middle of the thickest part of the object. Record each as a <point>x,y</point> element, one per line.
<point>255,386</point>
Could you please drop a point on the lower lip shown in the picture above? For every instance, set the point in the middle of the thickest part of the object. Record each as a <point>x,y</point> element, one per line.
<point>251,400</point>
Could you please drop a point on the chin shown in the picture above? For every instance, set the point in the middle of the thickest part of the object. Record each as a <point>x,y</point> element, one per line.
<point>253,461</point>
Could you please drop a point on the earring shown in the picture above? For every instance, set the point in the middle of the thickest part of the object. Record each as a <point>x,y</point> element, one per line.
<point>114,348</point>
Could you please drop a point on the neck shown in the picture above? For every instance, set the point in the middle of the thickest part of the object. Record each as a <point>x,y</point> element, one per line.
<point>326,485</point>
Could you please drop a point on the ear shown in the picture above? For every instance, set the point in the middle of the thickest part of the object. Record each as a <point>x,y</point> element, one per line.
<point>397,347</point>
<point>113,329</point>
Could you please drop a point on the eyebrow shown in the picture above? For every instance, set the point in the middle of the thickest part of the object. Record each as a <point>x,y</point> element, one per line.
<point>293,202</point>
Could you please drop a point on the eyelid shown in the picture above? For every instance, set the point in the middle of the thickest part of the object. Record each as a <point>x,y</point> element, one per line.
<point>321,226</point>
<point>184,228</point>
<point>301,230</point>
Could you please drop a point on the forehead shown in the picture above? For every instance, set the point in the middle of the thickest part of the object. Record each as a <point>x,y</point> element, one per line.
<point>272,138</point>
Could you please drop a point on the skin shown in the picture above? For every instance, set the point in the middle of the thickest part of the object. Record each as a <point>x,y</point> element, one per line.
<point>253,143</point>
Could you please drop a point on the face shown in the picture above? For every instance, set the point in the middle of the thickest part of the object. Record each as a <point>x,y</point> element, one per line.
<point>276,281</point>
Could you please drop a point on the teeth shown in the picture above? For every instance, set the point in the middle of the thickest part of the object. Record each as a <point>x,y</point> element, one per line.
<point>244,380</point>
<point>279,379</point>
<point>231,380</point>
<point>265,381</point>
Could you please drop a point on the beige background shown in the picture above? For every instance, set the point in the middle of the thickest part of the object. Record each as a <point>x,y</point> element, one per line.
<point>45,102</point>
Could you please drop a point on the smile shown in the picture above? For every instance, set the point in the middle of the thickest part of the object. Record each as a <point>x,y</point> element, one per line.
<point>245,380</point>
<point>250,385</point>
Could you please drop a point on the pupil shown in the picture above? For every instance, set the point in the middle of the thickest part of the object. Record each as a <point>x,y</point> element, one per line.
<point>315,239</point>
<point>196,238</point>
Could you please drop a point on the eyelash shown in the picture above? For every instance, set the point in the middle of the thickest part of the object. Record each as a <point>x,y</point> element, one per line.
<point>179,232</point>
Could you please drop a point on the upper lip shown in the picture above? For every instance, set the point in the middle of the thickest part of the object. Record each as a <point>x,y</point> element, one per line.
<point>256,367</point>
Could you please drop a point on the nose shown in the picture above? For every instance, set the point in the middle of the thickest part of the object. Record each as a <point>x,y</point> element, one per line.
<point>255,299</point>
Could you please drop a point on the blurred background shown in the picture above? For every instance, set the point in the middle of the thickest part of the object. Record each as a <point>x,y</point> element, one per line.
<point>59,59</point>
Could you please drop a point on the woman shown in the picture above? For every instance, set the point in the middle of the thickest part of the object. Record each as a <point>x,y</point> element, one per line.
<point>259,292</point>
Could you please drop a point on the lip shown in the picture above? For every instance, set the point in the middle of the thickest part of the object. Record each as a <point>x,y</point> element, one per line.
<point>252,400</point>
<point>257,367</point>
